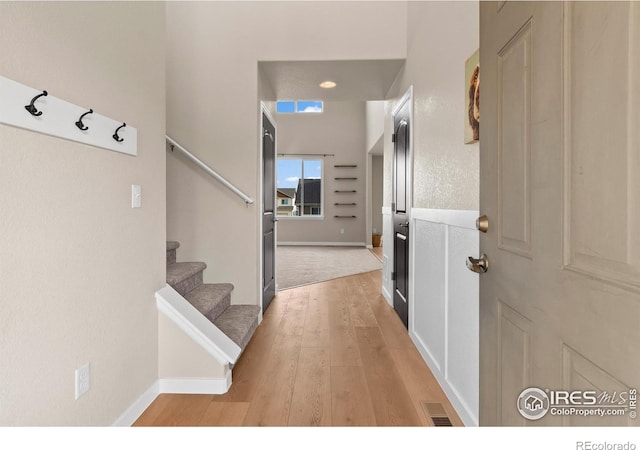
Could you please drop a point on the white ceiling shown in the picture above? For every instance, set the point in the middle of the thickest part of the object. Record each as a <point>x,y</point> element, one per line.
<point>356,80</point>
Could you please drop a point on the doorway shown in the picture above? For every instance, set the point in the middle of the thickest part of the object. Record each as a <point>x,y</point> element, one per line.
<point>268,211</point>
<point>377,182</point>
<point>400,208</point>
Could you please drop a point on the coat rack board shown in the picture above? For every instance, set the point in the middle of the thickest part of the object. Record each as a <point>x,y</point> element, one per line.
<point>36,110</point>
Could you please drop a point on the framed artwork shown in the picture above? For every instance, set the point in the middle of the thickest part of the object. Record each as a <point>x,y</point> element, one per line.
<point>472,98</point>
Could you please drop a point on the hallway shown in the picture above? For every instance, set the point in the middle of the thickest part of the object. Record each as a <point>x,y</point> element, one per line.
<point>329,354</point>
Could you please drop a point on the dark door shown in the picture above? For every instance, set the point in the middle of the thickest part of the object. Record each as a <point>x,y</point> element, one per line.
<point>268,212</point>
<point>400,209</point>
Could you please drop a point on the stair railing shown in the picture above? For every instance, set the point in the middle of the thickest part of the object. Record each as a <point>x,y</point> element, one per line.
<point>248,200</point>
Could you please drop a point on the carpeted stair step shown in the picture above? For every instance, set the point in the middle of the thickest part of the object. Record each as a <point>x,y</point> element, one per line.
<point>239,322</point>
<point>172,246</point>
<point>211,299</point>
<point>185,276</point>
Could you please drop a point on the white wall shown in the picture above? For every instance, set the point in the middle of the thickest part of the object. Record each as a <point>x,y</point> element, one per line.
<point>443,299</point>
<point>267,97</point>
<point>340,130</point>
<point>375,123</point>
<point>78,266</point>
<point>213,49</point>
<point>377,178</point>
<point>446,171</point>
<point>375,113</point>
<point>181,358</point>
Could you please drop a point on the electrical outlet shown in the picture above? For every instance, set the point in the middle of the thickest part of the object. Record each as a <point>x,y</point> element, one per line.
<point>341,230</point>
<point>83,380</point>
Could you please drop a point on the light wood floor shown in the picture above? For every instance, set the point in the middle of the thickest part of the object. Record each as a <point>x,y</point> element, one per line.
<point>332,353</point>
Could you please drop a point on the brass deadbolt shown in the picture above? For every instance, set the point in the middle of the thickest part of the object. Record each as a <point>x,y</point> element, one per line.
<point>482,223</point>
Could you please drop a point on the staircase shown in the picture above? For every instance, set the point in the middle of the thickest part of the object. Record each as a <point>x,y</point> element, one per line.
<point>237,322</point>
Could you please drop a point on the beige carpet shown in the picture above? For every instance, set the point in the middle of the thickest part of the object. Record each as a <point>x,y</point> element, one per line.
<point>298,266</point>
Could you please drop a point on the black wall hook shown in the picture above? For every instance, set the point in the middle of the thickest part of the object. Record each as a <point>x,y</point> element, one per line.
<point>31,107</point>
<point>79,123</point>
<point>115,135</point>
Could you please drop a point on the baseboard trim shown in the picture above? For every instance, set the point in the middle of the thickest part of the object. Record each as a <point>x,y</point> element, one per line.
<point>134,411</point>
<point>452,394</point>
<point>195,385</point>
<point>387,296</point>
<point>323,244</point>
<point>172,386</point>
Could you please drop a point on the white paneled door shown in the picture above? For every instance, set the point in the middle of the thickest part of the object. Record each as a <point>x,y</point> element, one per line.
<point>560,183</point>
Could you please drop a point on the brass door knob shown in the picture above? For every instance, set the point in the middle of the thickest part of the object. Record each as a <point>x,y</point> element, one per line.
<point>478,265</point>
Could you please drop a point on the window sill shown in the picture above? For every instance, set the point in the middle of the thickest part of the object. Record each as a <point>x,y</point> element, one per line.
<point>294,218</point>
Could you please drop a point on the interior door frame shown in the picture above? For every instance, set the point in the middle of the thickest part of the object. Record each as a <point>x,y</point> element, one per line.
<point>368,204</point>
<point>406,98</point>
<point>265,110</point>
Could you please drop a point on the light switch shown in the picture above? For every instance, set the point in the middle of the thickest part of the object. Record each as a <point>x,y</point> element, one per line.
<point>136,196</point>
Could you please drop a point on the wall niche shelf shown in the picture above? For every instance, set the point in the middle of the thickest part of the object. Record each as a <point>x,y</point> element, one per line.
<point>344,192</point>
<point>344,204</point>
<point>344,217</point>
<point>345,178</point>
<point>345,166</point>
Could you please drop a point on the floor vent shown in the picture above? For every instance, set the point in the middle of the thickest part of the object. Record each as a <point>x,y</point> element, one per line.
<point>437,414</point>
<point>441,422</point>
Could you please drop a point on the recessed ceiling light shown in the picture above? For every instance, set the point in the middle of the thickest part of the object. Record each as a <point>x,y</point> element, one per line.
<point>327,84</point>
